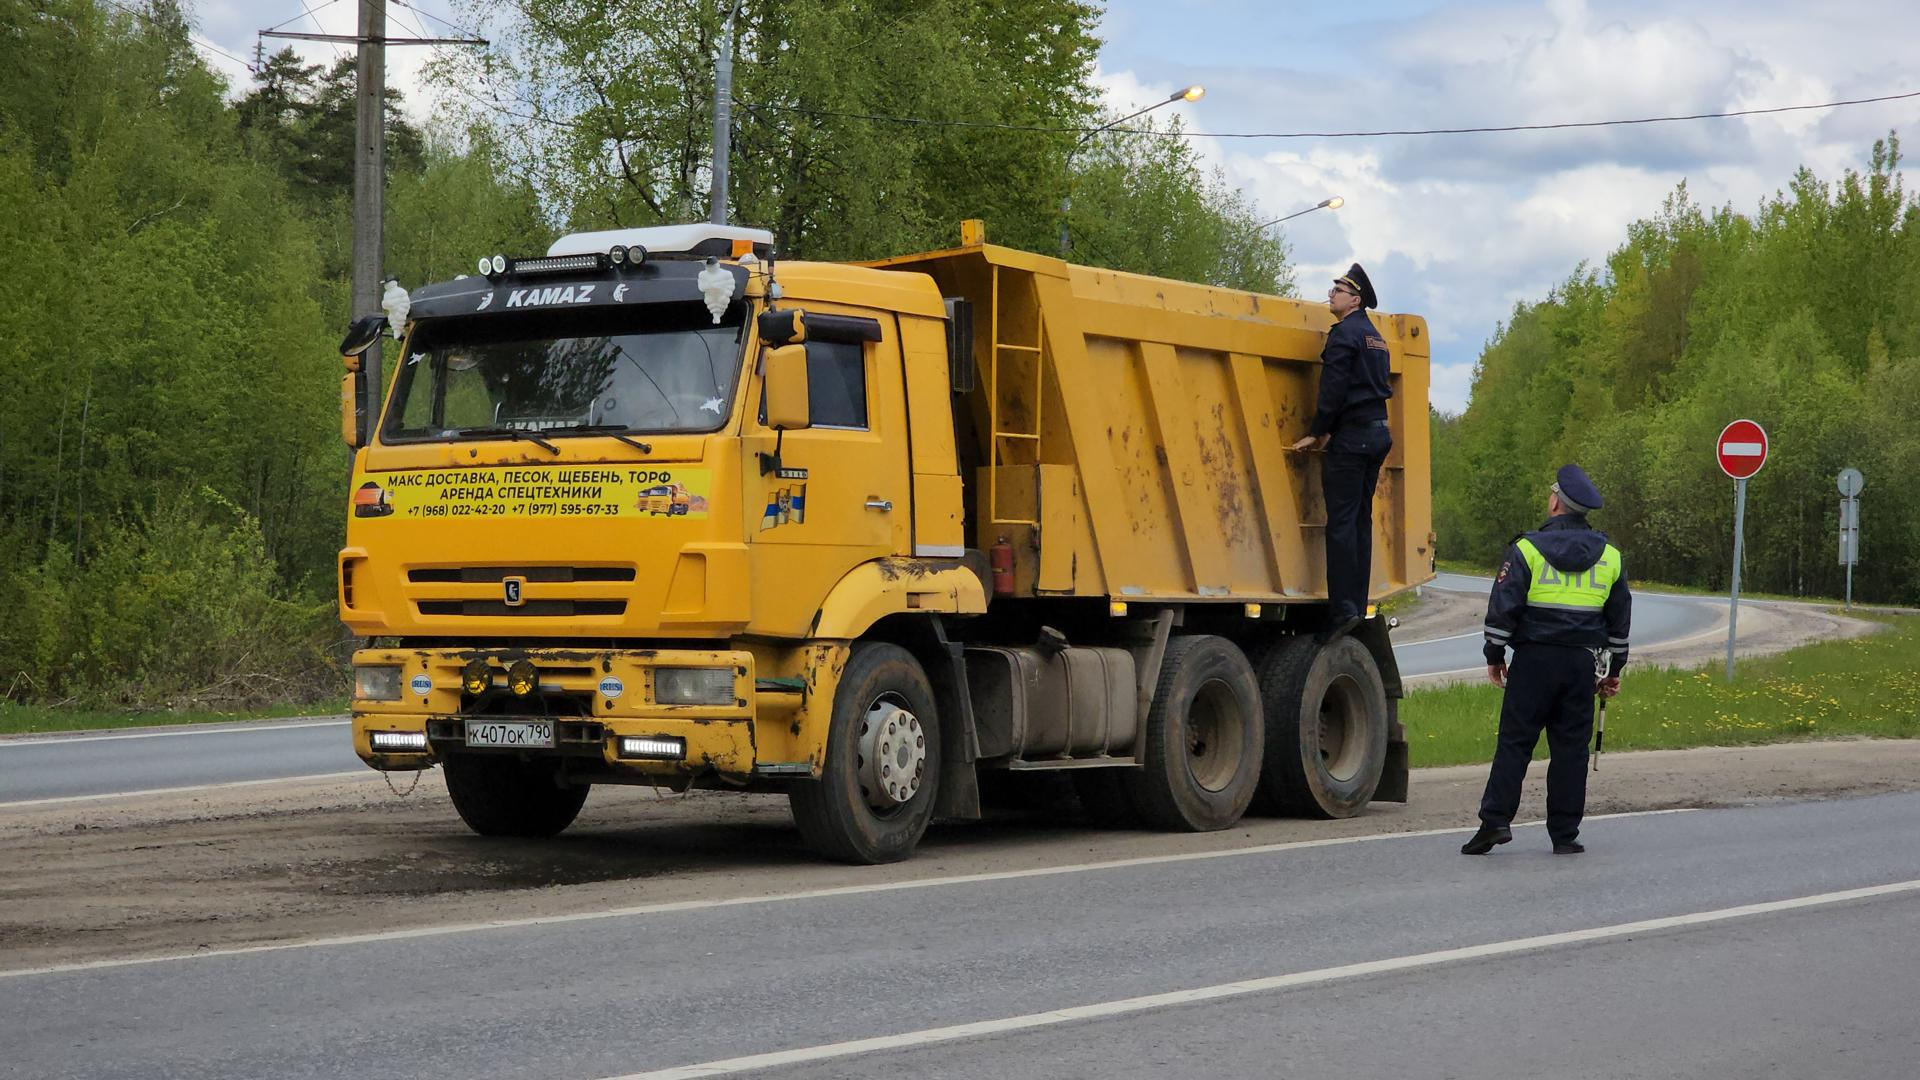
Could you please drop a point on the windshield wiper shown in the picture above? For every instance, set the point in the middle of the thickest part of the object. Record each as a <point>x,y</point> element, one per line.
<point>513,433</point>
<point>618,431</point>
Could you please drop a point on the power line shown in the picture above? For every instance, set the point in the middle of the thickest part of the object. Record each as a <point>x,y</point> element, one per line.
<point>415,25</point>
<point>1562,125</point>
<point>313,16</point>
<point>192,38</point>
<point>455,27</point>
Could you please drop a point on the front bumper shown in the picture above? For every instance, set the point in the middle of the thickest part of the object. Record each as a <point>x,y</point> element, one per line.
<point>593,698</point>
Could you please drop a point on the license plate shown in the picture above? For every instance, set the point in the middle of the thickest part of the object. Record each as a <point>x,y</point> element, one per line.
<point>513,734</point>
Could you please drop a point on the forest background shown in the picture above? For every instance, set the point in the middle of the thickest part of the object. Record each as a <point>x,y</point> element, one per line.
<point>176,253</point>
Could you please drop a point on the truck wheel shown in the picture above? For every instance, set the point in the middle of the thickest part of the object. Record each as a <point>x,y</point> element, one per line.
<point>1203,738</point>
<point>1326,728</point>
<point>877,788</point>
<point>506,796</point>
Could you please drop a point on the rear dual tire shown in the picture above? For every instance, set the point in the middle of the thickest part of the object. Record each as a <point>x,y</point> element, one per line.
<point>1326,720</point>
<point>1203,741</point>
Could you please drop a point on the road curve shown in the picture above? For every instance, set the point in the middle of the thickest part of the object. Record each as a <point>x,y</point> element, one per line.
<point>1658,619</point>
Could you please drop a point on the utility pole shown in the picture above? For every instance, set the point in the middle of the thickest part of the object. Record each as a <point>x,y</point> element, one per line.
<point>369,181</point>
<point>370,163</point>
<point>722,119</point>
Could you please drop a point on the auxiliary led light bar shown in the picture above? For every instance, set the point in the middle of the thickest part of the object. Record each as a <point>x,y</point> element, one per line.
<point>397,740</point>
<point>653,747</point>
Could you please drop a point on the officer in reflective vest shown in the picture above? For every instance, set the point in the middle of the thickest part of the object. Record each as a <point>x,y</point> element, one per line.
<point>1561,603</point>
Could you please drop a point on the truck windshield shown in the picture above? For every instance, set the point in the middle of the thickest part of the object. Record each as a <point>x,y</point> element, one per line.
<point>555,373</point>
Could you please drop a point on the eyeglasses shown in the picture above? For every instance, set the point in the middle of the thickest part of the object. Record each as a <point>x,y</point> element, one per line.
<point>1343,289</point>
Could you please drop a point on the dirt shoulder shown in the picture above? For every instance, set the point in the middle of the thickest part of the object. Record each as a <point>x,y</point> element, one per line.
<point>170,874</point>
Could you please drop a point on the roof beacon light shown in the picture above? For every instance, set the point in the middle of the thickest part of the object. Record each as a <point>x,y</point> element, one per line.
<point>691,243</point>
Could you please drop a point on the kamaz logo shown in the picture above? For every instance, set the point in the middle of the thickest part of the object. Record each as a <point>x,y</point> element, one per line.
<point>553,294</point>
<point>512,586</point>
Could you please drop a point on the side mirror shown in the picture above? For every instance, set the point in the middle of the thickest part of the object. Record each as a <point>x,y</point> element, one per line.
<point>361,335</point>
<point>788,407</point>
<point>787,327</point>
<point>353,421</point>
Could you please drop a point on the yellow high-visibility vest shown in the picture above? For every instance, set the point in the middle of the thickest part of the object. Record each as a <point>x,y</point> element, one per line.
<point>1586,590</point>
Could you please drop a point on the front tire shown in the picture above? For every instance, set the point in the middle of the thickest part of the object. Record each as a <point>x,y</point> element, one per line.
<point>877,789</point>
<point>1203,739</point>
<point>1326,728</point>
<point>507,796</point>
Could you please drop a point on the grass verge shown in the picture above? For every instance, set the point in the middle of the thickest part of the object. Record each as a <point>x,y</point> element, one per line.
<point>24,719</point>
<point>1867,687</point>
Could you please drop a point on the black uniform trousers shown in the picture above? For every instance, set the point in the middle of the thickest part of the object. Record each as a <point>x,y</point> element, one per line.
<point>1348,475</point>
<point>1551,687</point>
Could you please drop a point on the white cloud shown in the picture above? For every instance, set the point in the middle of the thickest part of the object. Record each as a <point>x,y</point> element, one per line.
<point>1461,228</point>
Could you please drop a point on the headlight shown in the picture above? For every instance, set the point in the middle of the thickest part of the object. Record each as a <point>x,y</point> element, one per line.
<point>693,686</point>
<point>376,682</point>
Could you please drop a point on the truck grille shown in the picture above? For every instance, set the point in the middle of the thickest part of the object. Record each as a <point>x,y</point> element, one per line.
<point>544,608</point>
<point>480,575</point>
<point>484,597</point>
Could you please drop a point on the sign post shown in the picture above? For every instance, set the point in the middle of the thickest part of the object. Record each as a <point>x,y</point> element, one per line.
<point>1850,484</point>
<point>1741,449</point>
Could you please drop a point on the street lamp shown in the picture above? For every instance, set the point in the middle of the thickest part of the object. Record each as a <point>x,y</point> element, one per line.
<point>1191,93</point>
<point>1332,203</point>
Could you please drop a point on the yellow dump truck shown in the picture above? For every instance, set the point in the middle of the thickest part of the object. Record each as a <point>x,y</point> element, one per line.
<point>657,509</point>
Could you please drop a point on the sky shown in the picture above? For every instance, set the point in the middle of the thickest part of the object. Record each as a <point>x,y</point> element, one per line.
<point>1456,228</point>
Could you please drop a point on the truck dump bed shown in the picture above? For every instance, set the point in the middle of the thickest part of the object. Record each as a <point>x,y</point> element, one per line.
<point>1127,433</point>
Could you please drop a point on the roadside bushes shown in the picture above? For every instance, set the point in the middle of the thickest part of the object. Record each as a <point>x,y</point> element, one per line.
<point>183,608</point>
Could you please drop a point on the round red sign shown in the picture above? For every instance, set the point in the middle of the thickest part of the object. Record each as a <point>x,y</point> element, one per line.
<point>1742,449</point>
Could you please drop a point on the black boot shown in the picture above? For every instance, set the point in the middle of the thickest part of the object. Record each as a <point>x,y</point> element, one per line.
<point>1568,847</point>
<point>1484,840</point>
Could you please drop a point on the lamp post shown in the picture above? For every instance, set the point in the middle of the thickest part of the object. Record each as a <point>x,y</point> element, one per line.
<point>1191,93</point>
<point>1334,202</point>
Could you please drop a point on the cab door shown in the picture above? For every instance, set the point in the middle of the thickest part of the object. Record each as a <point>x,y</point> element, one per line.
<point>842,494</point>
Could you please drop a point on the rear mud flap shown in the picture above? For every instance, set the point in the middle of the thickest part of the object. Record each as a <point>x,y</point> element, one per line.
<point>1393,775</point>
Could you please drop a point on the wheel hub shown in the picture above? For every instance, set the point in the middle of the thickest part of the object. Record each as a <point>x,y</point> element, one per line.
<point>893,756</point>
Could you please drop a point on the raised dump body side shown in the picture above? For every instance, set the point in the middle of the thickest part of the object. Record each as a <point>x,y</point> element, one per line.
<point>1128,434</point>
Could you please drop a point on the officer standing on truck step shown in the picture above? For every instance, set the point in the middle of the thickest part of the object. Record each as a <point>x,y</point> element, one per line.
<point>1561,601</point>
<point>1351,426</point>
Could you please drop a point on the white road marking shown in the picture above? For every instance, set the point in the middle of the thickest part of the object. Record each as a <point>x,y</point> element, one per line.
<point>776,898</point>
<point>1437,640</point>
<point>183,790</point>
<point>8,744</point>
<point>1127,1006</point>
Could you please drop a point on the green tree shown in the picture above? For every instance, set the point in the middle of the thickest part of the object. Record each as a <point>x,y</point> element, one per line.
<point>1799,315</point>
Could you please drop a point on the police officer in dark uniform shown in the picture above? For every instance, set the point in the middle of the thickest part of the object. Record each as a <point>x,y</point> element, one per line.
<point>1350,424</point>
<point>1561,602</point>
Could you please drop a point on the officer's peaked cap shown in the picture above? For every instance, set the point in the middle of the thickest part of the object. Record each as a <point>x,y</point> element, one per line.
<point>1356,279</point>
<point>1576,490</point>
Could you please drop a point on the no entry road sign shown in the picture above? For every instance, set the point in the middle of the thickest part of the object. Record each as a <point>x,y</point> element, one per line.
<point>1742,449</point>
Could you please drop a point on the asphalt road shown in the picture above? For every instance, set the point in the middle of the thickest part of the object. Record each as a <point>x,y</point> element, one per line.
<point>81,766</point>
<point>108,763</point>
<point>1386,956</point>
